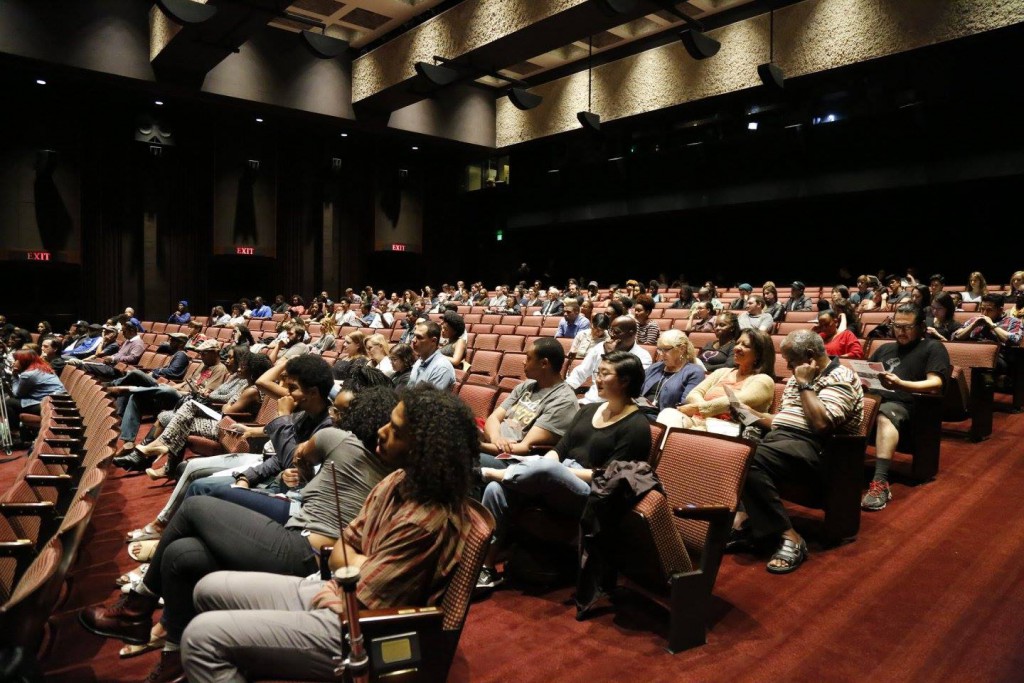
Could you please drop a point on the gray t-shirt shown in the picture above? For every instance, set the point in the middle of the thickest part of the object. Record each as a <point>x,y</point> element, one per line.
<point>551,409</point>
<point>764,322</point>
<point>296,350</point>
<point>358,472</point>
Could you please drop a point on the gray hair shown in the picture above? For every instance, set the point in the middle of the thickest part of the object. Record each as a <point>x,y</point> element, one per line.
<point>802,344</point>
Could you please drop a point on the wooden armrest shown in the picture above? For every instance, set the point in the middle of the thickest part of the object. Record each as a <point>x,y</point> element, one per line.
<point>59,458</point>
<point>48,479</point>
<point>66,429</point>
<point>27,508</point>
<point>68,418</point>
<point>19,546</point>
<point>708,513</point>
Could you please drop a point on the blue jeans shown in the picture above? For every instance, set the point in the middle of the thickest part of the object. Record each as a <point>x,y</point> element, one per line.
<point>547,481</point>
<point>161,397</point>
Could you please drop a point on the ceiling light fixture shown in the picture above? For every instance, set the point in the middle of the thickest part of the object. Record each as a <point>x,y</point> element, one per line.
<point>159,103</point>
<point>186,12</point>
<point>771,74</point>
<point>40,81</point>
<point>588,119</point>
<point>259,120</point>
<point>344,135</point>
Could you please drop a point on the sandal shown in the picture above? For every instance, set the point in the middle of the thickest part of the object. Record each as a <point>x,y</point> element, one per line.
<point>791,552</point>
<point>142,551</point>
<point>146,533</point>
<point>133,576</point>
<point>129,651</point>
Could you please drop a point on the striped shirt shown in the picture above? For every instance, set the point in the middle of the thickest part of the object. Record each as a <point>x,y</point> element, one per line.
<point>838,388</point>
<point>411,548</point>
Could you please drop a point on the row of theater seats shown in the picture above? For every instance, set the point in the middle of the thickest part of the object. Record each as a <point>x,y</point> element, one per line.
<point>45,513</point>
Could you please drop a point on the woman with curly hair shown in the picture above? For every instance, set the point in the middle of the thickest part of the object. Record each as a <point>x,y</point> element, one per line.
<point>208,534</point>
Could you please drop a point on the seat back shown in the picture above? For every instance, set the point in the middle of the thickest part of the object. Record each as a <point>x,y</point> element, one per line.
<point>697,468</point>
<point>476,541</point>
<point>479,398</point>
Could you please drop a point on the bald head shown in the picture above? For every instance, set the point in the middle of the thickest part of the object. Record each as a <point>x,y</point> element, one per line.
<point>623,332</point>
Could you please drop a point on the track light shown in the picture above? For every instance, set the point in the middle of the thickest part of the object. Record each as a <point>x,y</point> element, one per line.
<point>322,45</point>
<point>436,74</point>
<point>589,120</point>
<point>186,12</point>
<point>699,45</point>
<point>523,99</point>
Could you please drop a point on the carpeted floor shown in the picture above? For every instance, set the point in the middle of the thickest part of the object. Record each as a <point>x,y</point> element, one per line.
<point>933,589</point>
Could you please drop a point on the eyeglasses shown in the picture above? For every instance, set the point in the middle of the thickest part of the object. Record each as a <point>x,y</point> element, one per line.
<point>904,326</point>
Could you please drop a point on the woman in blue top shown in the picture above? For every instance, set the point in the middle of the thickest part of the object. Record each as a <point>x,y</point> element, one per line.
<point>671,379</point>
<point>34,380</point>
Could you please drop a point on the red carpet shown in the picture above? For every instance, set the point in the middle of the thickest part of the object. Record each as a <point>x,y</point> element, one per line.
<point>933,589</point>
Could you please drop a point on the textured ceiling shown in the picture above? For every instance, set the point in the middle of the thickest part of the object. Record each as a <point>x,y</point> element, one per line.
<point>357,21</point>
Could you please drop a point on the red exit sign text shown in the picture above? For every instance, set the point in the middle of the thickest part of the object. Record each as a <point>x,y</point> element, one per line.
<point>245,251</point>
<point>38,256</point>
<point>397,247</point>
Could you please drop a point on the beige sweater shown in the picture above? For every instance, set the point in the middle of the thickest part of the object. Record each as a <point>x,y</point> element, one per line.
<point>758,391</point>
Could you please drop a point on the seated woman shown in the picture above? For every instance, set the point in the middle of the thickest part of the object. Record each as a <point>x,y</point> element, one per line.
<point>453,338</point>
<point>208,534</point>
<point>941,324</point>
<point>560,480</point>
<point>1016,286</point>
<point>1018,307</point>
<point>976,288</point>
<point>237,316</point>
<point>751,380</point>
<point>243,337</point>
<point>685,299</point>
<point>589,338</point>
<point>772,305</point>
<point>353,353</point>
<point>194,418</point>
<point>921,297</point>
<point>718,354</point>
<point>675,375</point>
<point>34,380</point>
<point>378,348</point>
<point>402,360</point>
<point>326,340</point>
<point>298,305</point>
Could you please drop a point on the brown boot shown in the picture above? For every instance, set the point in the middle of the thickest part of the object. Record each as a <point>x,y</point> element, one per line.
<point>129,619</point>
<point>168,669</point>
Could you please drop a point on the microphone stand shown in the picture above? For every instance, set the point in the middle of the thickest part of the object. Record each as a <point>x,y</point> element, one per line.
<point>357,664</point>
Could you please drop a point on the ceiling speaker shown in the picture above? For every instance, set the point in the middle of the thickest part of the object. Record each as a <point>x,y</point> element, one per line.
<point>699,45</point>
<point>771,75</point>
<point>523,99</point>
<point>589,120</point>
<point>436,74</point>
<point>324,47</point>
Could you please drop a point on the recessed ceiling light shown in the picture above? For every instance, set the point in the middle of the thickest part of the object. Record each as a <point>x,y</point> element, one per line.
<point>40,81</point>
<point>159,103</point>
<point>415,148</point>
<point>344,135</point>
<point>259,120</point>
<point>752,125</point>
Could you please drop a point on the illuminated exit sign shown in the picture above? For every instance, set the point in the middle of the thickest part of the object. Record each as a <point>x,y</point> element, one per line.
<point>397,247</point>
<point>245,251</point>
<point>38,256</point>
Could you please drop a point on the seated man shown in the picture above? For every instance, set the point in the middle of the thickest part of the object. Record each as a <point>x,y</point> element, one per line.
<point>798,301</point>
<point>180,316</point>
<point>993,326</point>
<point>195,335</point>
<point>76,333</point>
<point>755,316</point>
<point>208,534</point>
<point>406,542</point>
<point>499,302</point>
<point>130,314</point>
<point>431,367</point>
<point>572,323</point>
<point>129,353</point>
<point>50,349</point>
<point>821,398</point>
<point>915,363</point>
<point>740,302</point>
<point>538,411</point>
<point>371,318</point>
<point>138,391</point>
<point>552,305</point>
<point>302,412</point>
<point>261,311</point>
<point>87,344</point>
<point>623,338</point>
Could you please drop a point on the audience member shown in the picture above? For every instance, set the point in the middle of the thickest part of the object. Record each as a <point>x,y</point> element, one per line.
<point>33,380</point>
<point>993,325</point>
<point>913,363</point>
<point>180,316</point>
<point>740,302</point>
<point>572,323</point>
<point>798,301</point>
<point>977,288</point>
<point>597,333</point>
<point>431,367</point>
<point>837,344</point>
<point>454,339</point>
<point>719,353</point>
<point>669,381</point>
<point>755,316</point>
<point>647,331</point>
<point>622,338</point>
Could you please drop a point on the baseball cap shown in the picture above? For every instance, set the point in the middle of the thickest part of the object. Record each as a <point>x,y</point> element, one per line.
<point>798,284</point>
<point>746,287</point>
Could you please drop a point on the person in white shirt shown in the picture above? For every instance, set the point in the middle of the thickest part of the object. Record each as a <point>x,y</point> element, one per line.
<point>623,338</point>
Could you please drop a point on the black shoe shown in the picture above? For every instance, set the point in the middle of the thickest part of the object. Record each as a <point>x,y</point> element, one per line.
<point>488,580</point>
<point>133,462</point>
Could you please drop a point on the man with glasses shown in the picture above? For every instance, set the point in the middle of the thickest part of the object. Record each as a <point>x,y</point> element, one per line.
<point>623,338</point>
<point>915,363</point>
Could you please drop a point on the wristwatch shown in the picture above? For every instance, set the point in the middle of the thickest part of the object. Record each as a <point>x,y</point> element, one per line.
<point>805,387</point>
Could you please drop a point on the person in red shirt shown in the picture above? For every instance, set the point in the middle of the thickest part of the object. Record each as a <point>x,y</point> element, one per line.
<point>837,344</point>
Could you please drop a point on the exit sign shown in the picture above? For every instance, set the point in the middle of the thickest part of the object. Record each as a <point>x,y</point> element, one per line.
<point>397,247</point>
<point>38,256</point>
<point>245,251</point>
